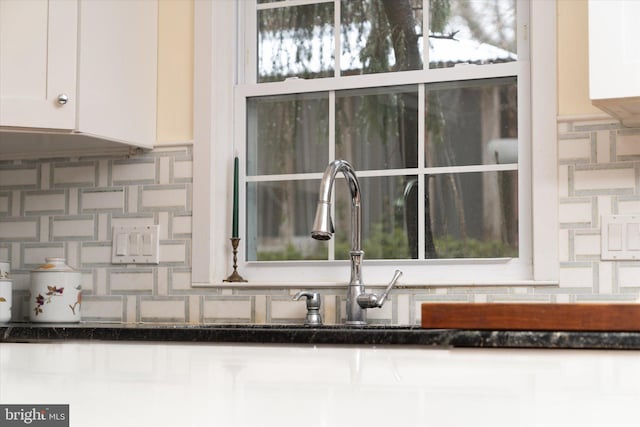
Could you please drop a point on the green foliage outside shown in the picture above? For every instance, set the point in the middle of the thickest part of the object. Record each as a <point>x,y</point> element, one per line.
<point>451,247</point>
<point>291,253</point>
<point>380,244</point>
<point>394,245</point>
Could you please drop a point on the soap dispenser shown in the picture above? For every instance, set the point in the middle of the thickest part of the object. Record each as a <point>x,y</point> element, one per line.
<point>313,307</point>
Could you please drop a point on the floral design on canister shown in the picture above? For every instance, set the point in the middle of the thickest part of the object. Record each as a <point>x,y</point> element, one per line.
<point>5,269</point>
<point>55,292</point>
<point>52,291</point>
<point>78,301</point>
<point>5,300</point>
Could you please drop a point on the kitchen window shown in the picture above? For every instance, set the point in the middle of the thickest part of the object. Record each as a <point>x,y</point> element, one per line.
<point>438,129</point>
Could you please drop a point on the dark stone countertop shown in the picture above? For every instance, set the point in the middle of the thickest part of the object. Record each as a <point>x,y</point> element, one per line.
<point>330,334</point>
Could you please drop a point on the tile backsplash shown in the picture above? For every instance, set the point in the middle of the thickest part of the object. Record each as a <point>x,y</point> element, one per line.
<point>599,174</point>
<point>67,207</point>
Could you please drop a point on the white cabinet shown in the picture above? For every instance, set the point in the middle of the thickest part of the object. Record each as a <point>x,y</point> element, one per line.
<point>85,67</point>
<point>118,70</point>
<point>38,42</point>
<point>614,58</point>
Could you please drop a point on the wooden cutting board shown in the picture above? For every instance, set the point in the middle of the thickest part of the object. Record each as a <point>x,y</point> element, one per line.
<point>532,316</point>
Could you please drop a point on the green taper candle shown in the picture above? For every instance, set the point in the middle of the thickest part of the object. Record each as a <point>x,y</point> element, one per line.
<point>234,231</point>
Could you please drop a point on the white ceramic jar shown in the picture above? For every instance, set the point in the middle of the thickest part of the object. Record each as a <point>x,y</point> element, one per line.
<point>5,300</point>
<point>55,293</point>
<point>5,269</point>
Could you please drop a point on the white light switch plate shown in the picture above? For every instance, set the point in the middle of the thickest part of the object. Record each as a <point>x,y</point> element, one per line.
<point>136,245</point>
<point>620,237</point>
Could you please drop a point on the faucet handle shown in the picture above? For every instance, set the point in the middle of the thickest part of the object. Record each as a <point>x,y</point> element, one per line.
<point>373,300</point>
<point>391,284</point>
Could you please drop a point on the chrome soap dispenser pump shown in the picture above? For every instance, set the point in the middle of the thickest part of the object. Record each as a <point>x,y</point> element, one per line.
<point>314,318</point>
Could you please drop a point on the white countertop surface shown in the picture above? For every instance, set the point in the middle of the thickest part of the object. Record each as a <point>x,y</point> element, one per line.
<point>141,384</point>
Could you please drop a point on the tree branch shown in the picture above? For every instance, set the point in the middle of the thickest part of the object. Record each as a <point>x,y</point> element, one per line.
<point>450,36</point>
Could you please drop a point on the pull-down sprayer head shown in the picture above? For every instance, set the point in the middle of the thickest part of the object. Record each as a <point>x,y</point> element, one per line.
<point>323,225</point>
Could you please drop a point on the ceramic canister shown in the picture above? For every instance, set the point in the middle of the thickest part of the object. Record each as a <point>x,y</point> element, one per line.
<point>5,269</point>
<point>5,300</point>
<point>55,293</point>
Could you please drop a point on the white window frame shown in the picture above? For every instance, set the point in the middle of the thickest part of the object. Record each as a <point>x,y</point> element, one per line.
<point>216,109</point>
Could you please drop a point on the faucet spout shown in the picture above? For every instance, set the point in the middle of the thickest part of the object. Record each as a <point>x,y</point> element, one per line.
<point>323,225</point>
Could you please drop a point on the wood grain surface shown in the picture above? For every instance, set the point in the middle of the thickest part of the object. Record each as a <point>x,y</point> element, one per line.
<point>532,316</point>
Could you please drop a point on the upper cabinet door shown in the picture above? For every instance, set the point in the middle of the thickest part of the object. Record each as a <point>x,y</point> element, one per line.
<point>38,45</point>
<point>614,58</point>
<point>118,67</point>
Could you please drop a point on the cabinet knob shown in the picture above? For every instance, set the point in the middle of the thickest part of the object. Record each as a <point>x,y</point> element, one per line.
<point>63,98</point>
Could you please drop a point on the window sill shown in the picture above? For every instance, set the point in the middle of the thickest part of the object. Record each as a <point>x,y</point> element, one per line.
<point>339,285</point>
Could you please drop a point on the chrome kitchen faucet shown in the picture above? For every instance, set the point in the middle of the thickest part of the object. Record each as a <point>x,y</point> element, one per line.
<point>357,299</point>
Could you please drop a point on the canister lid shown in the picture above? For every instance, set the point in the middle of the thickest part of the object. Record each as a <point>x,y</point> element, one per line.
<point>54,264</point>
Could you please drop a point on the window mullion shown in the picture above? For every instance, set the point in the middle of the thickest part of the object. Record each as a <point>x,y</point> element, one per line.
<point>332,156</point>
<point>248,44</point>
<point>290,3</point>
<point>522,30</point>
<point>425,34</point>
<point>336,36</point>
<point>421,177</point>
<point>461,74</point>
<point>332,125</point>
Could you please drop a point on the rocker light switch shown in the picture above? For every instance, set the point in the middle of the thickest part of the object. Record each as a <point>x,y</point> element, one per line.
<point>122,244</point>
<point>136,245</point>
<point>615,237</point>
<point>633,236</point>
<point>147,248</point>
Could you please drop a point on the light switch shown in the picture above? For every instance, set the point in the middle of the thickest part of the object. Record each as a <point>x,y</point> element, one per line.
<point>122,244</point>
<point>615,237</point>
<point>633,236</point>
<point>147,248</point>
<point>136,245</point>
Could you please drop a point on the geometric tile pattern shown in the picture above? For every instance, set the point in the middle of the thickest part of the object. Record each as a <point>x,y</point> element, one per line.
<point>67,207</point>
<point>599,174</point>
